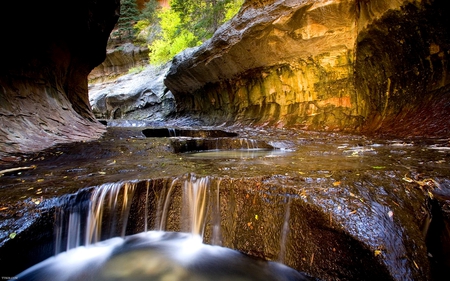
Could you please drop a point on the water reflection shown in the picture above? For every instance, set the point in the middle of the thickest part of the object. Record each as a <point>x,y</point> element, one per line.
<point>238,153</point>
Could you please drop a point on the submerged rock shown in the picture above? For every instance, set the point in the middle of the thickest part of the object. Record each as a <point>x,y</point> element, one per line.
<point>339,207</point>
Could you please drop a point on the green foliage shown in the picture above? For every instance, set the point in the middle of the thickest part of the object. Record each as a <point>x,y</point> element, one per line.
<point>231,9</point>
<point>141,25</point>
<point>188,23</point>
<point>147,28</point>
<point>173,38</point>
<point>128,16</point>
<point>149,11</point>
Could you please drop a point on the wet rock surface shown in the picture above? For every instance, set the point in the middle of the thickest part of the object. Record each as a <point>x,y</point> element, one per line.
<point>333,205</point>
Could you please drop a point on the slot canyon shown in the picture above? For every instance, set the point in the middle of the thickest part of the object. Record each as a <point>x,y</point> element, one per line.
<point>305,140</point>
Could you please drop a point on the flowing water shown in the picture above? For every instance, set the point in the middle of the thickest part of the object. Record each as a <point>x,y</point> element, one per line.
<point>157,256</point>
<point>105,214</point>
<point>336,206</point>
<point>150,255</point>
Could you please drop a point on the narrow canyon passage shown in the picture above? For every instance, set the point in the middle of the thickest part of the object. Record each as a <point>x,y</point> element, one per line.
<point>308,133</point>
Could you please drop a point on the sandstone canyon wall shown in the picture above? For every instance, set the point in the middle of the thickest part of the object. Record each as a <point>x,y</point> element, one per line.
<point>118,62</point>
<point>356,65</point>
<point>47,51</point>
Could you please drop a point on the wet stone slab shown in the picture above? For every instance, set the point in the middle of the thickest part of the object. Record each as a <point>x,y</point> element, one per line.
<point>332,205</point>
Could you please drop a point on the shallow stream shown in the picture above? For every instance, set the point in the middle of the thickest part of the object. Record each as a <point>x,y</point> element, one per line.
<point>333,205</point>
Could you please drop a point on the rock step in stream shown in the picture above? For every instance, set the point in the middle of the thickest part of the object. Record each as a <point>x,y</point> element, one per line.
<point>333,206</point>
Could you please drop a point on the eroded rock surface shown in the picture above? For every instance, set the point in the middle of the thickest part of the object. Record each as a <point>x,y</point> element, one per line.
<point>48,51</point>
<point>375,66</point>
<point>119,61</point>
<point>139,96</point>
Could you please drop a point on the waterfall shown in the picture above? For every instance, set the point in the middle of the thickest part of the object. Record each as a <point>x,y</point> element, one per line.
<point>285,231</point>
<point>248,143</point>
<point>163,206</point>
<point>172,132</point>
<point>96,218</point>
<point>189,204</point>
<point>105,214</point>
<point>216,238</point>
<point>97,210</point>
<point>195,199</point>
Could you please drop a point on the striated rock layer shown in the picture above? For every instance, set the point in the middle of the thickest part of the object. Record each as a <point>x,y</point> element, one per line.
<point>119,61</point>
<point>373,66</point>
<point>49,49</point>
<point>135,96</point>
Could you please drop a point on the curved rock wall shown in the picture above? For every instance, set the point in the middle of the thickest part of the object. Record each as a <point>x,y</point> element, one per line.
<point>320,65</point>
<point>50,49</point>
<point>119,61</point>
<point>402,69</point>
<point>135,96</point>
<point>283,63</point>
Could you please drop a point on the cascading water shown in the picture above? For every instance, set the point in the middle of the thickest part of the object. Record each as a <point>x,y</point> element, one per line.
<point>195,193</point>
<point>172,132</point>
<point>248,143</point>
<point>99,198</point>
<point>153,255</point>
<point>307,199</point>
<point>109,208</point>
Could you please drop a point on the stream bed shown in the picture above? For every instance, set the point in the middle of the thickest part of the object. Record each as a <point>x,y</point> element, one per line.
<point>336,206</point>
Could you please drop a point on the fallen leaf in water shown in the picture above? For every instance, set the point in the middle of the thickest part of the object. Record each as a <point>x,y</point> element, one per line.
<point>36,201</point>
<point>336,183</point>
<point>407,179</point>
<point>377,253</point>
<point>12,235</point>
<point>378,167</point>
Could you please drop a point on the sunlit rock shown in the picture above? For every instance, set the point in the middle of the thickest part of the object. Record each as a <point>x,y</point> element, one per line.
<point>345,65</point>
<point>119,61</point>
<point>135,96</point>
